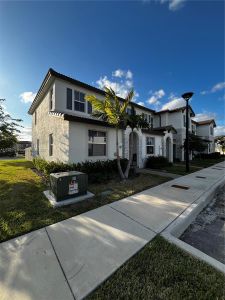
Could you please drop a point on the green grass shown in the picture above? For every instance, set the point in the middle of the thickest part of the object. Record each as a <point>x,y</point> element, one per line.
<point>180,169</point>
<point>195,165</point>
<point>162,271</point>
<point>24,208</point>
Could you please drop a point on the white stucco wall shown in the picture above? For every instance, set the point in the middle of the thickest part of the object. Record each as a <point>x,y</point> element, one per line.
<point>78,148</point>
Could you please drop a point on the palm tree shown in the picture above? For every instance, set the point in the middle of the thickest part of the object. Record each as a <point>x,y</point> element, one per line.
<point>113,111</point>
<point>134,122</point>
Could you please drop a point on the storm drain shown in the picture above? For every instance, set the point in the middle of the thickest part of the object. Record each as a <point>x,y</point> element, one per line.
<point>182,187</point>
<point>203,177</point>
<point>217,169</point>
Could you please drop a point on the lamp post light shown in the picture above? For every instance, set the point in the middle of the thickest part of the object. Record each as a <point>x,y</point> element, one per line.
<point>187,97</point>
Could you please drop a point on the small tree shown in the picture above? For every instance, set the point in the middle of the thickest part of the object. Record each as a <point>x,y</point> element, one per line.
<point>196,143</point>
<point>134,122</point>
<point>113,111</point>
<point>8,128</point>
<point>220,140</point>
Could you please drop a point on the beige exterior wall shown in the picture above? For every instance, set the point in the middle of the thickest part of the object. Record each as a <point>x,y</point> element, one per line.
<point>45,125</point>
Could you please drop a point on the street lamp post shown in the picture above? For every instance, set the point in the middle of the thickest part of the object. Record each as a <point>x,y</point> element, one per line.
<point>187,97</point>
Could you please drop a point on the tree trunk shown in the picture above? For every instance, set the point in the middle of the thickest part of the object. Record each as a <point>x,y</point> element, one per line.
<point>118,156</point>
<point>131,146</point>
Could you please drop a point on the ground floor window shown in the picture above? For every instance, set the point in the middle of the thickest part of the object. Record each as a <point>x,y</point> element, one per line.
<point>150,145</point>
<point>37,146</point>
<point>96,143</point>
<point>50,144</point>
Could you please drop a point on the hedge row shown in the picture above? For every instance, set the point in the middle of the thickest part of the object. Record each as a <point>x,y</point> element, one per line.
<point>214,155</point>
<point>157,162</point>
<point>97,171</point>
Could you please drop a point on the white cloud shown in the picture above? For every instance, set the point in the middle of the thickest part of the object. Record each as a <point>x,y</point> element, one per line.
<point>154,99</point>
<point>204,116</point>
<point>204,92</point>
<point>217,87</point>
<point>118,73</point>
<point>122,87</point>
<point>129,74</point>
<point>219,130</point>
<point>173,104</point>
<point>27,97</point>
<point>141,103</point>
<point>121,73</point>
<point>174,4</point>
<point>25,134</point>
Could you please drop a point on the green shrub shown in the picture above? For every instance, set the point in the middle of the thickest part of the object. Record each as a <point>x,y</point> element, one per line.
<point>157,162</point>
<point>213,155</point>
<point>97,171</point>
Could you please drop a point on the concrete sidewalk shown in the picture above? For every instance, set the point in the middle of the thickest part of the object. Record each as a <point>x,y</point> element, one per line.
<point>69,259</point>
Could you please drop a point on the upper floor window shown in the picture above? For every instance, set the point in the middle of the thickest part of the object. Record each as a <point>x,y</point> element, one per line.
<point>69,99</point>
<point>150,145</point>
<point>79,101</point>
<point>89,107</point>
<point>150,118</point>
<point>211,130</point>
<point>129,110</point>
<point>96,143</point>
<point>51,99</point>
<point>184,120</point>
<point>35,117</point>
<point>145,117</point>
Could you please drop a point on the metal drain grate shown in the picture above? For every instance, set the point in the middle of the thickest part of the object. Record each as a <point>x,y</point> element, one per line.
<point>203,177</point>
<point>182,187</point>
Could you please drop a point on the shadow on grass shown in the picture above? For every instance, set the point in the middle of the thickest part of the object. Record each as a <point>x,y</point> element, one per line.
<point>24,208</point>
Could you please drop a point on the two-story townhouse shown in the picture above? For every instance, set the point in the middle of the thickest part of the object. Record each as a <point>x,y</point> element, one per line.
<point>177,119</point>
<point>205,129</point>
<point>64,129</point>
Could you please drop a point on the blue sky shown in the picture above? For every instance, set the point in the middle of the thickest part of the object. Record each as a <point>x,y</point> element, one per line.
<point>163,48</point>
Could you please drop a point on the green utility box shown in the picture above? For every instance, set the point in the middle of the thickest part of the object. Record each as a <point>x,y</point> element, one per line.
<point>65,185</point>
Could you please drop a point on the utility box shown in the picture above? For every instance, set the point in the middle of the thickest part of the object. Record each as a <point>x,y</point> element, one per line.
<point>65,185</point>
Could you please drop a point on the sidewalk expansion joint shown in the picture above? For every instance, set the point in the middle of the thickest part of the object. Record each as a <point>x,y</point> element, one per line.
<point>122,213</point>
<point>60,263</point>
<point>189,206</point>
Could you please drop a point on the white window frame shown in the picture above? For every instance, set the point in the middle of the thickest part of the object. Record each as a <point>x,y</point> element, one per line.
<point>150,142</point>
<point>97,143</point>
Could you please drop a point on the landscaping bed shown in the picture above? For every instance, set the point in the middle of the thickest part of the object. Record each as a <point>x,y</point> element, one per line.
<point>24,208</point>
<point>162,271</point>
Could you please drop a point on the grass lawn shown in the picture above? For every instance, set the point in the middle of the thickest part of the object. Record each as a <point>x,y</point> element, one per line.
<point>24,208</point>
<point>180,169</point>
<point>205,163</point>
<point>195,165</point>
<point>161,271</point>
